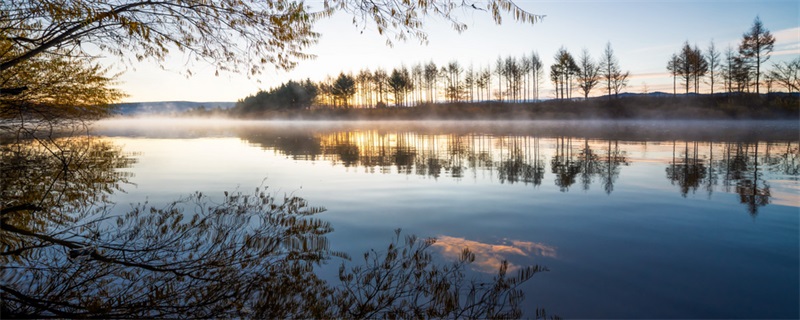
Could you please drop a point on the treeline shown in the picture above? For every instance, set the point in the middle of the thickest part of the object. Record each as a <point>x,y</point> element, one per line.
<point>657,106</point>
<point>289,96</point>
<point>509,79</point>
<point>738,70</point>
<point>520,79</point>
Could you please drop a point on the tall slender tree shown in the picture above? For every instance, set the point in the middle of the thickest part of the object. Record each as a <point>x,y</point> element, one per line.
<point>713,59</point>
<point>685,65</point>
<point>690,65</point>
<point>562,73</point>
<point>537,69</point>
<point>727,69</point>
<point>364,79</point>
<point>672,67</point>
<point>379,79</point>
<point>417,75</point>
<point>431,74</point>
<point>699,67</point>
<point>525,66</point>
<point>482,82</point>
<point>399,82</point>
<point>756,46</point>
<point>499,69</point>
<point>469,82</point>
<point>452,76</point>
<point>609,66</point>
<point>588,73</point>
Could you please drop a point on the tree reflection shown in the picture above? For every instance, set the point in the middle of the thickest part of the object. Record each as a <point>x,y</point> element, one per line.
<point>522,162</point>
<point>47,175</point>
<point>742,171</point>
<point>688,170</point>
<point>712,177</point>
<point>614,158</point>
<point>298,146</point>
<point>565,164</point>
<point>403,156</point>
<point>64,253</point>
<point>740,168</point>
<point>693,165</point>
<point>590,165</point>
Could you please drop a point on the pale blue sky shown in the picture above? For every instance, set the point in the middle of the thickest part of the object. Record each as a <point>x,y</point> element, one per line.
<point>643,34</point>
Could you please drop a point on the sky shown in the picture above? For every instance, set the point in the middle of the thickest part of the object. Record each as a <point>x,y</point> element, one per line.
<point>643,34</point>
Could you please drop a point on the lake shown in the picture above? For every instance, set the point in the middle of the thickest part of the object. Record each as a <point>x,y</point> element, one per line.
<point>633,219</point>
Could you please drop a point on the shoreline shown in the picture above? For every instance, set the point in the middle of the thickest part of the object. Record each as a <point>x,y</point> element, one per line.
<point>703,107</point>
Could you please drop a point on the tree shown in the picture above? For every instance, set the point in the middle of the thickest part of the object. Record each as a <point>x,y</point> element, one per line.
<point>469,82</point>
<point>431,74</point>
<point>691,65</point>
<point>499,69</point>
<point>562,71</point>
<point>417,75</point>
<point>233,35</point>
<point>291,95</point>
<point>736,72</point>
<point>514,73</point>
<point>699,67</point>
<point>344,88</point>
<point>482,80</point>
<point>525,68</point>
<point>536,71</point>
<point>619,81</point>
<point>54,87</point>
<point>713,59</point>
<point>400,82</point>
<point>589,73</point>
<point>275,32</point>
<point>452,77</point>
<point>756,46</point>
<point>685,65</point>
<point>787,74</point>
<point>672,67</point>
<point>364,79</point>
<point>379,79</point>
<point>610,68</point>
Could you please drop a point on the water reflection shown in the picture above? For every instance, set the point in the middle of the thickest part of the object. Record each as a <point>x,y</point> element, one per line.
<point>51,175</point>
<point>688,170</point>
<point>742,168</point>
<point>523,162</point>
<point>489,257</point>
<point>742,164</point>
<point>657,211</point>
<point>64,254</point>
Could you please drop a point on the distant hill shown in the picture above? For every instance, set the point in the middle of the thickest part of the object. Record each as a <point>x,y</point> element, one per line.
<point>166,107</point>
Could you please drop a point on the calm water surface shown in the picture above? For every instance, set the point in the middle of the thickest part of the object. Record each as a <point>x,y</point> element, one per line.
<point>633,219</point>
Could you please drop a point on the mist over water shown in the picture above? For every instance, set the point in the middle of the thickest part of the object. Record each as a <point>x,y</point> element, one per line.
<point>633,218</point>
<point>629,130</point>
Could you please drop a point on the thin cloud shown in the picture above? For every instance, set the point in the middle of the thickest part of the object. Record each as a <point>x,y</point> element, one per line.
<point>789,36</point>
<point>651,75</point>
<point>787,42</point>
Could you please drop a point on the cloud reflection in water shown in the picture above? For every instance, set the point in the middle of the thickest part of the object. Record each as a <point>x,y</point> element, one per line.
<point>488,257</point>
